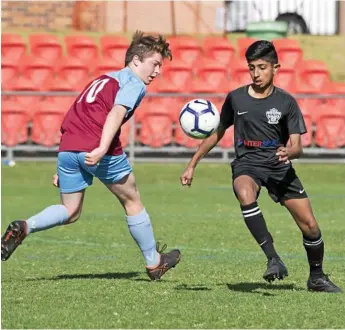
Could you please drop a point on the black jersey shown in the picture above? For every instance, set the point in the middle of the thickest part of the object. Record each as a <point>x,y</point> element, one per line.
<point>261,125</point>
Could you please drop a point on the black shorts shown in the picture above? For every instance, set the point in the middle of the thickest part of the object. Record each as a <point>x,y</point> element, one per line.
<point>281,181</point>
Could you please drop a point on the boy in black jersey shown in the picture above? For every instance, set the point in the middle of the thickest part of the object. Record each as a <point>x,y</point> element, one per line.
<point>265,119</point>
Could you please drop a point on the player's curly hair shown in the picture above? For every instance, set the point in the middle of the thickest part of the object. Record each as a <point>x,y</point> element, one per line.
<point>144,45</point>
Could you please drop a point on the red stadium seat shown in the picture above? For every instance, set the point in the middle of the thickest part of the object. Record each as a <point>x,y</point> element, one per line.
<point>219,49</point>
<point>38,70</point>
<point>156,127</point>
<point>308,107</point>
<point>106,65</point>
<point>225,86</point>
<point>12,46</point>
<point>46,124</point>
<point>325,110</point>
<point>114,47</point>
<point>314,73</point>
<point>167,86</point>
<point>185,48</point>
<point>289,52</point>
<point>64,102</point>
<point>179,73</point>
<point>228,139</point>
<point>82,47</point>
<point>240,72</point>
<point>172,103</point>
<point>307,138</point>
<point>285,79</point>
<point>9,73</point>
<point>330,130</point>
<point>304,102</point>
<point>14,123</point>
<point>125,134</point>
<point>74,72</point>
<point>200,86</point>
<point>28,102</point>
<point>335,88</point>
<point>211,72</point>
<point>46,46</point>
<point>243,44</point>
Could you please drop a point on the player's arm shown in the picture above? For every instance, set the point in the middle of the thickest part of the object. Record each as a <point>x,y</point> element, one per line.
<point>125,101</point>
<point>293,151</point>
<point>296,127</point>
<point>226,120</point>
<point>110,128</point>
<point>206,145</point>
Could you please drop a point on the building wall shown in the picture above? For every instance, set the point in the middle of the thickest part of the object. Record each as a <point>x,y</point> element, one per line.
<point>156,16</point>
<point>112,16</point>
<point>53,15</point>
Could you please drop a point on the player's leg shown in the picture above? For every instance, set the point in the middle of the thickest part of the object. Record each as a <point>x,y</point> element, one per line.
<point>139,225</point>
<point>72,183</point>
<point>116,173</point>
<point>286,188</point>
<point>247,189</point>
<point>301,211</point>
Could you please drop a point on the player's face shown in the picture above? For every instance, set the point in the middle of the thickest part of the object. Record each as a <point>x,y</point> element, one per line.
<point>149,68</point>
<point>262,72</point>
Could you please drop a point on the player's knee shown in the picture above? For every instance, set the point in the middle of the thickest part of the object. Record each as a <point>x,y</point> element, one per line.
<point>133,206</point>
<point>74,215</point>
<point>246,195</point>
<point>311,227</point>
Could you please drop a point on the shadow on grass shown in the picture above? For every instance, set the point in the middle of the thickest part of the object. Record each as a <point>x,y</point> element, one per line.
<point>252,287</point>
<point>105,276</point>
<point>193,287</point>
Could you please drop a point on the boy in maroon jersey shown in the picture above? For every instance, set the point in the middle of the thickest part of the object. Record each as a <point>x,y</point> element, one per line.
<point>90,147</point>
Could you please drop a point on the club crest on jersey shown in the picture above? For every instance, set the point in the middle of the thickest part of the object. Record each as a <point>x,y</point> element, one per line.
<point>273,116</point>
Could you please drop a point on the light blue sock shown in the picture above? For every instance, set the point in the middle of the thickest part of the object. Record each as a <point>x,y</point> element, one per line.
<point>141,230</point>
<point>54,215</point>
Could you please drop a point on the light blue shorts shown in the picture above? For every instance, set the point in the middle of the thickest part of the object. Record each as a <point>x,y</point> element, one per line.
<point>74,175</point>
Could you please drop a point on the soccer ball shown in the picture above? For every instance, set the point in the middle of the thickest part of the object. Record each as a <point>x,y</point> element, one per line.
<point>199,118</point>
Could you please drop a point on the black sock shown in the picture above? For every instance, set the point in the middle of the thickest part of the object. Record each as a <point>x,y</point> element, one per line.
<point>257,226</point>
<point>315,251</point>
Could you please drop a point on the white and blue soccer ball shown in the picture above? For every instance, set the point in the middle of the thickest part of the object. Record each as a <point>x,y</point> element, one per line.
<point>199,118</point>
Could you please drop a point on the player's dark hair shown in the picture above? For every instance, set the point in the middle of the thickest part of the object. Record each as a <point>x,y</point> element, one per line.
<point>262,49</point>
<point>144,45</point>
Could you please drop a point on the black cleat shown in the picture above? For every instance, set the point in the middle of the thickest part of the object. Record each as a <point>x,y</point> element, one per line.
<point>275,270</point>
<point>322,284</point>
<point>167,261</point>
<point>14,235</point>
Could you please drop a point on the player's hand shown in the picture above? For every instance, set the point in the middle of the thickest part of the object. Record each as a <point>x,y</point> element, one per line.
<point>55,180</point>
<point>187,177</point>
<point>93,158</point>
<point>283,155</point>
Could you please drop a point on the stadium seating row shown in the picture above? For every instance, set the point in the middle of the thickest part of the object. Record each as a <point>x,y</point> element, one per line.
<point>186,48</point>
<point>32,103</point>
<point>157,126</point>
<point>311,77</point>
<point>195,69</point>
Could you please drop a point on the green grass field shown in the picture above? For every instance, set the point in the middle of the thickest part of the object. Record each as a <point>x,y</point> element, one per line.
<point>91,274</point>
